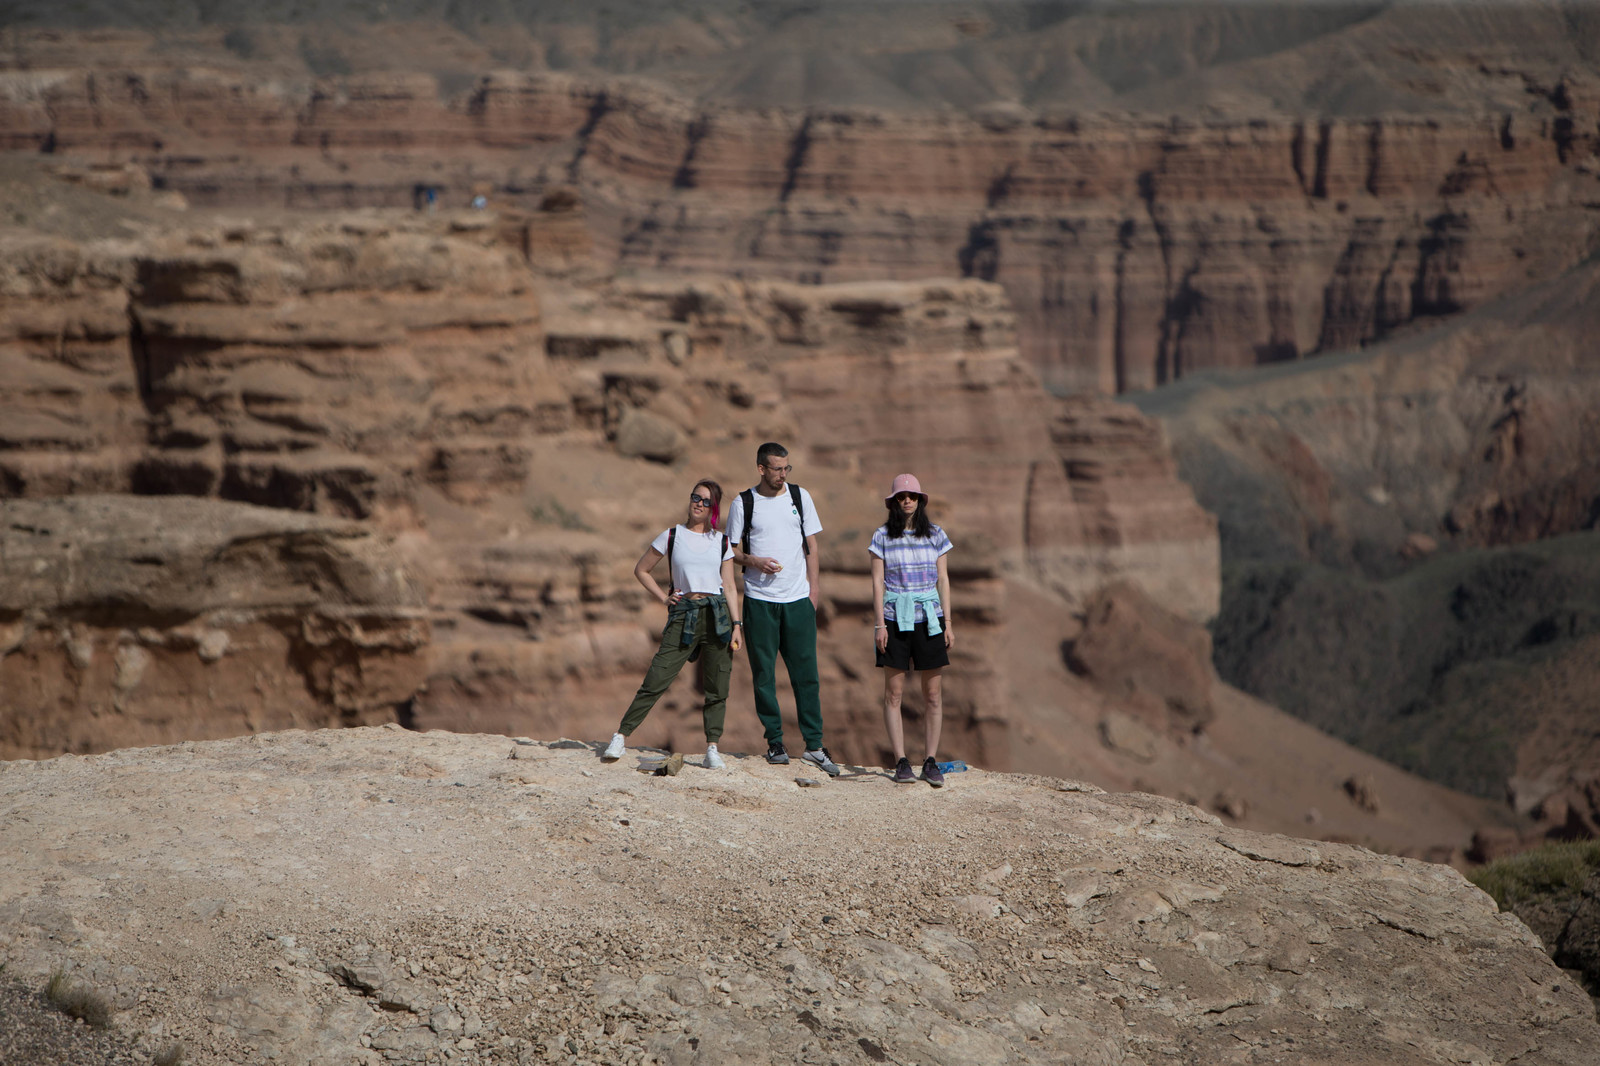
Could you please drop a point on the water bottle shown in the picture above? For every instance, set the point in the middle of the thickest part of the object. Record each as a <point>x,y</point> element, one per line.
<point>955,766</point>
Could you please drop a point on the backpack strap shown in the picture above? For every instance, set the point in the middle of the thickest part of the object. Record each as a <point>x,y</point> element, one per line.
<point>799,509</point>
<point>672,535</point>
<point>748,498</point>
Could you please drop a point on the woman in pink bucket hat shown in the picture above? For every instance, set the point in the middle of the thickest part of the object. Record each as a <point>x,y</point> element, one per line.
<point>911,586</point>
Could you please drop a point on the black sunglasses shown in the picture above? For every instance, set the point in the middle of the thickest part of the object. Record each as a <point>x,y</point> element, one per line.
<point>904,496</point>
<point>696,498</point>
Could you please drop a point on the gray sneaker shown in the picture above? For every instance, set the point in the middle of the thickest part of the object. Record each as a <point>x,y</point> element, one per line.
<point>822,760</point>
<point>776,755</point>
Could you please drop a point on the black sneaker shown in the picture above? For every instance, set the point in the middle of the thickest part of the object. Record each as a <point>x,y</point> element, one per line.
<point>931,773</point>
<point>776,755</point>
<point>902,772</point>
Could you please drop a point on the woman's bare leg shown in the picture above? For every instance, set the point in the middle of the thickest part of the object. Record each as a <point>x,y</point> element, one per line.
<point>933,717</point>
<point>894,684</point>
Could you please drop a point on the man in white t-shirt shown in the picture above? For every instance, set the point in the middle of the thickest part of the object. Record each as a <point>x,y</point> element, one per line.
<point>774,529</point>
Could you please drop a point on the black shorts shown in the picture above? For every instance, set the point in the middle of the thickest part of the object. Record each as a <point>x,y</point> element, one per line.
<point>913,650</point>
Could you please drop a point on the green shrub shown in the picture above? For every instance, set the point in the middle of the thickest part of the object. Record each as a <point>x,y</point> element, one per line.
<point>1554,870</point>
<point>77,1001</point>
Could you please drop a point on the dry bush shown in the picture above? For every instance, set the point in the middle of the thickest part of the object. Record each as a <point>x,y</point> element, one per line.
<point>172,1056</point>
<point>77,1001</point>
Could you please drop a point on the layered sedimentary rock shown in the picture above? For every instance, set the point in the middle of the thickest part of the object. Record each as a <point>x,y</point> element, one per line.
<point>872,379</point>
<point>322,369</point>
<point>71,416</point>
<point>130,620</point>
<point>1136,249</point>
<point>523,429</point>
<point>509,425</point>
<point>1478,433</point>
<point>894,376</point>
<point>1411,532</point>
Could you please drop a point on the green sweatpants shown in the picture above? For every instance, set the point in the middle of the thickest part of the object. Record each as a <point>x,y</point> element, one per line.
<point>789,629</point>
<point>670,657</point>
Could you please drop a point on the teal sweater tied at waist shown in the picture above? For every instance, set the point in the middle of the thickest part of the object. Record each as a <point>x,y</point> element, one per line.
<point>721,620</point>
<point>905,606</point>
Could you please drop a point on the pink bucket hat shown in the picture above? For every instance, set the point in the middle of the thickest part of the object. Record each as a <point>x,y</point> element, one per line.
<point>906,483</point>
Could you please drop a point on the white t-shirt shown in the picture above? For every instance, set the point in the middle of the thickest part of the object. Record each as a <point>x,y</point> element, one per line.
<point>775,533</point>
<point>695,563</point>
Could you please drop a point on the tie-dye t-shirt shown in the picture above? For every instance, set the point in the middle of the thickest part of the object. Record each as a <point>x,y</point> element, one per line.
<point>910,564</point>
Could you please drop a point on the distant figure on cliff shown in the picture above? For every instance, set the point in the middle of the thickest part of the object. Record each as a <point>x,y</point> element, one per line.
<point>701,621</point>
<point>911,587</point>
<point>781,592</point>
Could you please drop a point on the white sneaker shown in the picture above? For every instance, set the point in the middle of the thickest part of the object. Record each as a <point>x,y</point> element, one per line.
<point>713,760</point>
<point>615,750</point>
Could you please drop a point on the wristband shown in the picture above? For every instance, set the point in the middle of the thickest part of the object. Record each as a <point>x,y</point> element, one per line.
<point>880,627</point>
<point>738,622</point>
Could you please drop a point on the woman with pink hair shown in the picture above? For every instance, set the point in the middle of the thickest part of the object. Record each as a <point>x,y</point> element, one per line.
<point>702,622</point>
<point>911,587</point>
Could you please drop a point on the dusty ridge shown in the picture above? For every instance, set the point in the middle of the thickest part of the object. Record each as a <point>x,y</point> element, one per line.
<point>373,895</point>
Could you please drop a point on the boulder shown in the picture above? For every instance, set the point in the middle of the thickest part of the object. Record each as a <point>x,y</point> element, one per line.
<point>1131,647</point>
<point>643,435</point>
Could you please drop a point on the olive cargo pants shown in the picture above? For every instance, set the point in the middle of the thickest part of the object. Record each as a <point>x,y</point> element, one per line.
<point>669,660</point>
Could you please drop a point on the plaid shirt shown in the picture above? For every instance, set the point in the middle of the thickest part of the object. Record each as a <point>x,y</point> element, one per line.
<point>910,564</point>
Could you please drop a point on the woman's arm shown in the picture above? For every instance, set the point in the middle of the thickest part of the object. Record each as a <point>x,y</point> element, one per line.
<point>880,633</point>
<point>944,600</point>
<point>641,570</point>
<point>728,568</point>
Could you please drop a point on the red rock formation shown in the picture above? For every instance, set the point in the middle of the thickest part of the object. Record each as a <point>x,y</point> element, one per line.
<point>1134,250</point>
<point>868,380</point>
<point>400,369</point>
<point>71,419</point>
<point>408,369</point>
<point>1479,433</point>
<point>127,621</point>
<point>1156,664</point>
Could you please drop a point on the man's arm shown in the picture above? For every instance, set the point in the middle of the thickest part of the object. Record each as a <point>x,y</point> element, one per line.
<point>763,563</point>
<point>814,570</point>
<point>740,559</point>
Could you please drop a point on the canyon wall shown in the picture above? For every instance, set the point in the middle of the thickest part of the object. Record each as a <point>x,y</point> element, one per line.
<point>1134,249</point>
<point>127,621</point>
<point>1479,433</point>
<point>519,431</point>
<point>1409,535</point>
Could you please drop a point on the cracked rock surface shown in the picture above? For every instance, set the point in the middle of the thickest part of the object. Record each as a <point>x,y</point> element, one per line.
<point>373,896</point>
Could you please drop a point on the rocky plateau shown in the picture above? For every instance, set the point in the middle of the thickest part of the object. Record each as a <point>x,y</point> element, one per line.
<point>374,895</point>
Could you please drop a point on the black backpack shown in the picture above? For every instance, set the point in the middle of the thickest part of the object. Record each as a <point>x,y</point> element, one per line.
<point>748,498</point>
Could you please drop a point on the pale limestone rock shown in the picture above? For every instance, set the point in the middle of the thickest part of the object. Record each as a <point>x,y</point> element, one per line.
<point>645,435</point>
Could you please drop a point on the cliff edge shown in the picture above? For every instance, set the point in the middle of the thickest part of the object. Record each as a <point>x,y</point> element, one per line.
<point>373,895</point>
